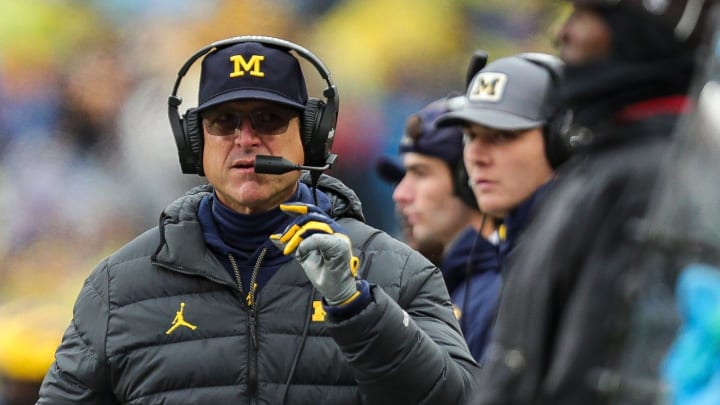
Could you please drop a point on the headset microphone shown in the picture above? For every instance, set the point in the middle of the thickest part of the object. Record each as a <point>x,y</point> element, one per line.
<point>280,165</point>
<point>477,62</point>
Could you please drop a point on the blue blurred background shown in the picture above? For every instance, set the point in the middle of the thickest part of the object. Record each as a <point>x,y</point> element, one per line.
<point>87,159</point>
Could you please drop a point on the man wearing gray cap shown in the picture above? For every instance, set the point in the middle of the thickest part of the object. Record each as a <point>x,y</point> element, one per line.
<point>508,104</point>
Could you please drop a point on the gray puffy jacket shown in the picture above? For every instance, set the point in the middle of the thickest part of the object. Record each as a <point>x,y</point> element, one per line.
<point>162,322</point>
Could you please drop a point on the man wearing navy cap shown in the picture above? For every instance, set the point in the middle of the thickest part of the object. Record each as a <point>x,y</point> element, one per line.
<point>435,198</point>
<point>264,286</point>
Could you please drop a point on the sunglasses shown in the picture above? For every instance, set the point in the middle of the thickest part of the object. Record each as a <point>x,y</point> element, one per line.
<point>263,121</point>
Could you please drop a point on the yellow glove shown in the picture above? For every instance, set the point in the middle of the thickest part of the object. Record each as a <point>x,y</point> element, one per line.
<point>323,250</point>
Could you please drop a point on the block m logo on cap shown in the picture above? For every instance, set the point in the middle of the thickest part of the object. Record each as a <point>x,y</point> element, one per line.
<point>487,86</point>
<point>240,66</point>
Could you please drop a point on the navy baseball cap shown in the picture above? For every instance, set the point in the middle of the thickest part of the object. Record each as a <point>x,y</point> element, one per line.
<point>509,93</point>
<point>389,169</point>
<point>252,70</point>
<point>423,137</point>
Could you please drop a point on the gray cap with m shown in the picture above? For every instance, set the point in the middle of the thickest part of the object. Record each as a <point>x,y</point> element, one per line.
<point>511,93</point>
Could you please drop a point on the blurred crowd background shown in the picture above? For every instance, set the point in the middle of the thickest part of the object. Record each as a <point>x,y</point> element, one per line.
<point>87,157</point>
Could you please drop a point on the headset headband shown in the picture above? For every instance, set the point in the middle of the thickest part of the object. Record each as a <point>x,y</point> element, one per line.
<point>330,92</point>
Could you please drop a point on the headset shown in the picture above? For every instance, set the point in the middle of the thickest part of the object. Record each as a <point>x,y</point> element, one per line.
<point>559,129</point>
<point>461,185</point>
<point>317,125</point>
<point>461,179</point>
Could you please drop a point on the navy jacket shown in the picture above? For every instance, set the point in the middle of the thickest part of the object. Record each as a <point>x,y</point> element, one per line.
<point>471,270</point>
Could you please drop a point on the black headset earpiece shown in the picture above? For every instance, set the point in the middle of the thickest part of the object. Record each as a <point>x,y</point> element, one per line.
<point>566,136</point>
<point>461,180</point>
<point>315,142</point>
<point>461,185</point>
<point>555,131</point>
<point>317,127</point>
<point>192,127</point>
<point>558,123</point>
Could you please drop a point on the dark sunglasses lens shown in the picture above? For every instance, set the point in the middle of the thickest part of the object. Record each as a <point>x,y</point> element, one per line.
<point>223,124</point>
<point>270,122</point>
<point>263,122</point>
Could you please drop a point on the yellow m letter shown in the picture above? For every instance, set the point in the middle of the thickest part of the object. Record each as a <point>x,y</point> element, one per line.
<point>240,66</point>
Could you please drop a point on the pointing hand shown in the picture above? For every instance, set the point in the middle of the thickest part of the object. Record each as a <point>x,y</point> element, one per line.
<point>323,250</point>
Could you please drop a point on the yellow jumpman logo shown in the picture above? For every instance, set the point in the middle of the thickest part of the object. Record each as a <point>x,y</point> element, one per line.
<point>180,321</point>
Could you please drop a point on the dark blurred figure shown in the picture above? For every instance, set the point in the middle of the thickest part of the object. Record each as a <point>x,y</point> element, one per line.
<point>584,317</point>
<point>684,220</point>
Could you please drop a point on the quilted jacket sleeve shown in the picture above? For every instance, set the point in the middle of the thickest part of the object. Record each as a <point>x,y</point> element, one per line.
<point>408,349</point>
<point>79,374</point>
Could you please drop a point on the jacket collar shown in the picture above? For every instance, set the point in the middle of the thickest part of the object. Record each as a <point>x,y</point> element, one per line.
<point>343,200</point>
<point>517,220</point>
<point>182,247</point>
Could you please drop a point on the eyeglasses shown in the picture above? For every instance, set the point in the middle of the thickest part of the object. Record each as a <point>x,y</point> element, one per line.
<point>264,122</point>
